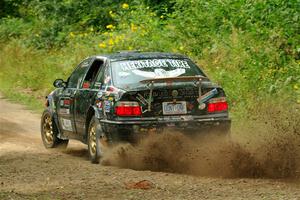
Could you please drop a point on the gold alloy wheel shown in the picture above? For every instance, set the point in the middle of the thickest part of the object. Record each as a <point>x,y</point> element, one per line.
<point>93,140</point>
<point>48,130</point>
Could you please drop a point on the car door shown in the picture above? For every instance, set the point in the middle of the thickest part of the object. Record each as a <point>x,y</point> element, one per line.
<point>85,95</point>
<point>65,107</point>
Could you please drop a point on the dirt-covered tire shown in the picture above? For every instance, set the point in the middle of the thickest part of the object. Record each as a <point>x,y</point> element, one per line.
<point>95,147</point>
<point>49,132</point>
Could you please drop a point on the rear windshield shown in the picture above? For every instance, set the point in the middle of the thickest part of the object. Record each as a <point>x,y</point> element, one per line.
<point>129,73</point>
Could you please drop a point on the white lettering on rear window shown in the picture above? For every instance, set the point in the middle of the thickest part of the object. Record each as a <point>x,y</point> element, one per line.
<point>154,63</point>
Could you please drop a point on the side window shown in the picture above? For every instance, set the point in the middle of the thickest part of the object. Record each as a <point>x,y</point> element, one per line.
<point>77,75</point>
<point>91,75</point>
<point>102,78</point>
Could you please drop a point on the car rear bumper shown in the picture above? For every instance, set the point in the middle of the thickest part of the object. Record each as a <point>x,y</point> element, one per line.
<point>188,122</point>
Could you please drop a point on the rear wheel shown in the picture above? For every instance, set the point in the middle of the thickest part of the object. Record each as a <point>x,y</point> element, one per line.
<point>49,132</point>
<point>96,141</point>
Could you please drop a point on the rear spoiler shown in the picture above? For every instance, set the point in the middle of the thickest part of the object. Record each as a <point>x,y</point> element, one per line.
<point>151,82</point>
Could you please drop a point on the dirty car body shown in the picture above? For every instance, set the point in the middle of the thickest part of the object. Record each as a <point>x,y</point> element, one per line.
<point>132,93</point>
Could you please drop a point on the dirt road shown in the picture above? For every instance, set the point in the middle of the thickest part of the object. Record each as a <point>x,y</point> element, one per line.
<point>28,171</point>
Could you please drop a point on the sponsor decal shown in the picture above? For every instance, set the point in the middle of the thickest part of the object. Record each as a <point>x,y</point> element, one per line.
<point>159,73</point>
<point>100,94</point>
<point>66,124</point>
<point>86,85</point>
<point>99,105</point>
<point>153,63</point>
<point>107,106</point>
<point>67,102</point>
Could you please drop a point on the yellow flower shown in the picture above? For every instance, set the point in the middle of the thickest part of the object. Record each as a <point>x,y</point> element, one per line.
<point>111,13</point>
<point>125,6</point>
<point>72,34</point>
<point>133,27</point>
<point>296,87</point>
<point>181,48</point>
<point>102,45</point>
<point>161,16</point>
<point>110,26</point>
<point>111,42</point>
<point>91,29</point>
<point>130,48</point>
<point>298,101</point>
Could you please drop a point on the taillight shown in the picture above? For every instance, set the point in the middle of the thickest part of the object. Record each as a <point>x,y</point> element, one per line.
<point>217,105</point>
<point>128,108</point>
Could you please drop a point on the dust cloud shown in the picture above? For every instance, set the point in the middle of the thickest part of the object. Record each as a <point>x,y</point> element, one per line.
<point>267,146</point>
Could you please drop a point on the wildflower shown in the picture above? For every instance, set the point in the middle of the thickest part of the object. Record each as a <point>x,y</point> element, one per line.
<point>133,27</point>
<point>111,13</point>
<point>110,26</point>
<point>298,101</point>
<point>102,45</point>
<point>125,6</point>
<point>91,29</point>
<point>296,87</point>
<point>111,42</point>
<point>162,16</point>
<point>130,48</point>
<point>72,34</point>
<point>181,48</point>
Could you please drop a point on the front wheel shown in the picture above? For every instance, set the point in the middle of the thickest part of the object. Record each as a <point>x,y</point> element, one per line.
<point>49,132</point>
<point>96,141</point>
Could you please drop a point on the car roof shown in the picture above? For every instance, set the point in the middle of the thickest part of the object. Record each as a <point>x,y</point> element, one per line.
<point>132,55</point>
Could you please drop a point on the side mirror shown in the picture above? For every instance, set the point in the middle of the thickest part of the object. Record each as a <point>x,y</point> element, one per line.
<point>59,83</point>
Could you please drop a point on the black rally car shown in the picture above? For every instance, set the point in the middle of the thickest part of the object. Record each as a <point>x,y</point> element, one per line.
<point>110,98</point>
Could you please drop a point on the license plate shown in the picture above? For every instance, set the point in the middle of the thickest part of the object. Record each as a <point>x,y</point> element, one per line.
<point>170,108</point>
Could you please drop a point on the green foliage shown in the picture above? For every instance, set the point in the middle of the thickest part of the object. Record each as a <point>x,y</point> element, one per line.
<point>9,8</point>
<point>13,28</point>
<point>250,47</point>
